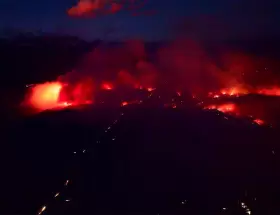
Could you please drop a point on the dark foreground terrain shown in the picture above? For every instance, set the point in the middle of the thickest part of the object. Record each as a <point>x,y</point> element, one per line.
<point>139,159</point>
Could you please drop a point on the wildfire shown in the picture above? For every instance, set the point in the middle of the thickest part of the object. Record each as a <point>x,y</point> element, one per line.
<point>232,92</point>
<point>46,96</point>
<point>57,95</point>
<point>274,91</point>
<point>237,91</point>
<point>80,86</point>
<point>231,108</point>
<point>225,108</point>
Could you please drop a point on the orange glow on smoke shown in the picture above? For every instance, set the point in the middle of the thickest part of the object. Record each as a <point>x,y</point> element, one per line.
<point>274,91</point>
<point>46,96</point>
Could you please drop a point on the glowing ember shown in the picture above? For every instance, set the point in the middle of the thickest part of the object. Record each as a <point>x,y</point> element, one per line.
<point>46,96</point>
<point>42,209</point>
<point>150,89</point>
<point>179,93</point>
<point>107,86</point>
<point>124,103</point>
<point>259,121</point>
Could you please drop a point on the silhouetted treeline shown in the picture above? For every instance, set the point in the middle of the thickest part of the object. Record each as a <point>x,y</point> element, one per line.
<point>26,60</point>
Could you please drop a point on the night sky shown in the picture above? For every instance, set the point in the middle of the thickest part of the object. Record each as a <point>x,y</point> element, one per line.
<point>215,18</point>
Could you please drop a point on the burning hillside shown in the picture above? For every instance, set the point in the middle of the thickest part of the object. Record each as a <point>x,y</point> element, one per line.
<point>183,66</point>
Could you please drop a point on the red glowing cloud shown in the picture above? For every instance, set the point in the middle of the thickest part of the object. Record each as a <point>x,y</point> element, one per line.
<point>85,7</point>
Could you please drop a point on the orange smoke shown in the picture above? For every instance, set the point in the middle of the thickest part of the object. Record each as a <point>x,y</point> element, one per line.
<point>45,96</point>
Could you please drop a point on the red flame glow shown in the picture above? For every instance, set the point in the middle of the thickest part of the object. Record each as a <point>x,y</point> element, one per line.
<point>182,73</point>
<point>274,91</point>
<point>124,103</point>
<point>46,96</point>
<point>107,86</point>
<point>52,95</point>
<point>259,121</point>
<point>225,108</point>
<point>150,89</point>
